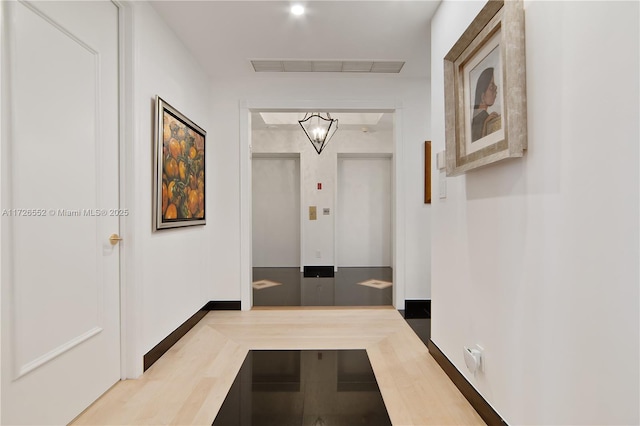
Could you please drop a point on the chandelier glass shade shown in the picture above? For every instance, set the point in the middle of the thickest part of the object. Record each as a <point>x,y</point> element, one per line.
<point>318,129</point>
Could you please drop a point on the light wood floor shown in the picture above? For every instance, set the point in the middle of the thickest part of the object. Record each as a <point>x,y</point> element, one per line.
<point>190,382</point>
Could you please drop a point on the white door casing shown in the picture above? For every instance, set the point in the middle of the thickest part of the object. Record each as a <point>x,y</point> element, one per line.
<point>60,274</point>
<point>397,182</point>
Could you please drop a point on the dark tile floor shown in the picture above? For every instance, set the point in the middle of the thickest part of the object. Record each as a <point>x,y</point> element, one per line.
<point>341,290</point>
<point>420,326</point>
<point>314,388</point>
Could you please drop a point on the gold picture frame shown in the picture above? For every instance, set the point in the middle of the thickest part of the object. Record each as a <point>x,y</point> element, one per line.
<point>485,90</point>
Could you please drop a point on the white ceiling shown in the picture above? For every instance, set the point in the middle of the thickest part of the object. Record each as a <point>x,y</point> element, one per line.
<point>225,36</point>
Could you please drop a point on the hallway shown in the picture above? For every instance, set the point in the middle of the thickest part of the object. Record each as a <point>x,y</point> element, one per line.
<point>190,382</point>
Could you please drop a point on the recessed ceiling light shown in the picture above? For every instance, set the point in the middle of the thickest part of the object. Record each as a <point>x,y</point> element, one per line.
<point>297,9</point>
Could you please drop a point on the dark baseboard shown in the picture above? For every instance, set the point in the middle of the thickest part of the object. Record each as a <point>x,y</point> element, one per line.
<point>417,309</point>
<point>226,305</point>
<point>158,350</point>
<point>476,400</point>
<point>319,271</point>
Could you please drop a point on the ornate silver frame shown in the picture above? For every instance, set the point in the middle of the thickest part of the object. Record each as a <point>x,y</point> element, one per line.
<point>506,19</point>
<point>159,222</point>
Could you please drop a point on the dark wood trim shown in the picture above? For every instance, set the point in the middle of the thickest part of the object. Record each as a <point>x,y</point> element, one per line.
<point>417,308</point>
<point>488,414</point>
<point>165,344</point>
<point>224,305</point>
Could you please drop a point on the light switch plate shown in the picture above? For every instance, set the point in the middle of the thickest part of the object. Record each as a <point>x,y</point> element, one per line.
<point>326,211</point>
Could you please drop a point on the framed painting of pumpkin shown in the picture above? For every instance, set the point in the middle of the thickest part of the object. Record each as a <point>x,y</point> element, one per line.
<point>179,181</point>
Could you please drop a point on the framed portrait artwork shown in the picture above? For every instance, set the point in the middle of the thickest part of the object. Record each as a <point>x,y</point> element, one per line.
<point>485,90</point>
<point>179,181</point>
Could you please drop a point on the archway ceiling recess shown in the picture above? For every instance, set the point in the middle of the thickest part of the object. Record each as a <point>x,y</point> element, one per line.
<point>370,121</point>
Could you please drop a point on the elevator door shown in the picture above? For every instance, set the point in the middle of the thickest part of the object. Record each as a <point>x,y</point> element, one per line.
<point>364,212</point>
<point>276,212</point>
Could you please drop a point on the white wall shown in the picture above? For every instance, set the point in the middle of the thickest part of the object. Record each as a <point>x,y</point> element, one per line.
<point>171,268</point>
<point>413,95</point>
<point>536,259</point>
<point>276,201</point>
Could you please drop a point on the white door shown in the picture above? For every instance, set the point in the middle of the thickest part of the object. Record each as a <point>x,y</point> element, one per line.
<point>60,274</point>
<point>364,212</point>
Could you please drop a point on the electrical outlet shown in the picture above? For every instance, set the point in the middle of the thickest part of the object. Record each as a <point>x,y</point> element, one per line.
<point>318,254</point>
<point>473,359</point>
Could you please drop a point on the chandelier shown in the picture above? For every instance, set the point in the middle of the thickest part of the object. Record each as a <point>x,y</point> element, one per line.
<point>318,129</point>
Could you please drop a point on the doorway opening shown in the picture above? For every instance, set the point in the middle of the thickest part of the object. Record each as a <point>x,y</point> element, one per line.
<point>322,224</point>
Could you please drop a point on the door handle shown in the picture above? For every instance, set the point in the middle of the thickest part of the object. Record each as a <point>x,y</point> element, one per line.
<point>114,239</point>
